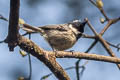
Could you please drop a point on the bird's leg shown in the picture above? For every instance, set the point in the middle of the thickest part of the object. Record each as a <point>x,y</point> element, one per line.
<point>54,50</point>
<point>71,51</point>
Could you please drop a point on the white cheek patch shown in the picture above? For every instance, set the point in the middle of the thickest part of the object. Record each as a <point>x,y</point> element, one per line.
<point>72,28</point>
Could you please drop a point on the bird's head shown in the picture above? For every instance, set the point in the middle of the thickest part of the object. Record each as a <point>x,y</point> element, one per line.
<point>79,25</point>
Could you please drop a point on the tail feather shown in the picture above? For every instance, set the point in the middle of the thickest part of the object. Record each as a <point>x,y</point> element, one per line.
<point>31,29</point>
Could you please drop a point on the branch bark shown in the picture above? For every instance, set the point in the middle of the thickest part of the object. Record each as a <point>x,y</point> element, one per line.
<point>48,59</point>
<point>38,52</point>
<point>14,38</point>
<point>13,33</point>
<point>103,42</point>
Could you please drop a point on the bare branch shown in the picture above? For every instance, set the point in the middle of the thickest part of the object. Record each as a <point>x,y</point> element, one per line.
<point>69,68</point>
<point>115,46</point>
<point>90,26</point>
<point>106,27</point>
<point>48,59</point>
<point>101,10</point>
<point>13,33</point>
<point>81,55</point>
<point>103,42</point>
<point>2,41</point>
<point>38,52</point>
<point>88,36</point>
<point>3,18</point>
<point>91,46</point>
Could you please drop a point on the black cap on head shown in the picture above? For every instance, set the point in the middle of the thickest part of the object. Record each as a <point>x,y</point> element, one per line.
<point>82,25</point>
<point>79,25</point>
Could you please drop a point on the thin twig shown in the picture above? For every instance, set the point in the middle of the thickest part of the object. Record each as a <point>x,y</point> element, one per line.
<point>92,37</point>
<point>110,22</point>
<point>101,10</point>
<point>48,75</point>
<point>30,64</point>
<point>115,20</point>
<point>77,69</point>
<point>69,68</point>
<point>83,67</point>
<point>91,46</point>
<point>118,46</point>
<point>94,31</point>
<point>2,41</point>
<point>94,43</point>
<point>106,27</point>
<point>93,3</point>
<point>115,46</point>
<point>77,63</point>
<point>87,36</point>
<point>3,18</point>
<point>103,42</point>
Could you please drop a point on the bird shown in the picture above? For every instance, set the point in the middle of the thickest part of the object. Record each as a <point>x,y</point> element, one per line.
<point>59,36</point>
